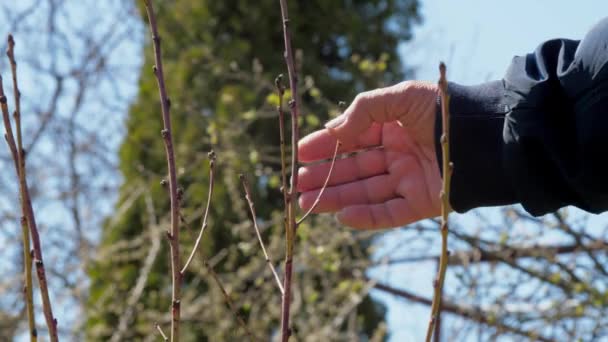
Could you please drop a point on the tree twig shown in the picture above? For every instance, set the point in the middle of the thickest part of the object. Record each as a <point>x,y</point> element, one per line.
<point>318,199</point>
<point>161,332</point>
<point>257,232</point>
<point>174,200</point>
<point>445,201</point>
<point>137,291</point>
<point>26,203</point>
<point>206,214</point>
<point>470,313</point>
<point>28,287</point>
<point>280,92</point>
<point>229,302</point>
<point>27,255</point>
<point>291,210</point>
<point>477,255</point>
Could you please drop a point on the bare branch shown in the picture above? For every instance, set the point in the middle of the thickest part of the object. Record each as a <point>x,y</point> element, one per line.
<point>445,201</point>
<point>168,140</point>
<point>161,332</point>
<point>257,232</point>
<point>27,255</point>
<point>144,273</point>
<point>477,255</point>
<point>474,314</point>
<point>291,209</point>
<point>318,199</point>
<point>280,92</point>
<point>217,280</point>
<point>206,214</point>
<point>26,203</point>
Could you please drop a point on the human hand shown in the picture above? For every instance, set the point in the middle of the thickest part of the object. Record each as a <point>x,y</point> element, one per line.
<point>392,178</point>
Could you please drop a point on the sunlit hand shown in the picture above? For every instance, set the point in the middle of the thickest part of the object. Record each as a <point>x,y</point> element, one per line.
<point>392,178</point>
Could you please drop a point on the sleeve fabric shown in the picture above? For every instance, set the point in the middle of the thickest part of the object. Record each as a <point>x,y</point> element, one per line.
<point>538,137</point>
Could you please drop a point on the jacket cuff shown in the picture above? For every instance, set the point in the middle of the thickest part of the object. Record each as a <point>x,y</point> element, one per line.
<point>477,115</point>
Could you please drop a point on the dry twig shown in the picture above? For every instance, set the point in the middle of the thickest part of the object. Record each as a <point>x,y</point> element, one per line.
<point>257,231</point>
<point>27,255</point>
<point>173,234</point>
<point>318,199</point>
<point>161,332</point>
<point>206,214</point>
<point>445,201</point>
<point>292,195</point>
<point>18,155</point>
<point>217,280</point>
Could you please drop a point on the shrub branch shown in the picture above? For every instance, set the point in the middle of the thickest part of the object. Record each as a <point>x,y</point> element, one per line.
<point>257,232</point>
<point>292,195</point>
<point>445,201</point>
<point>173,234</point>
<point>18,155</point>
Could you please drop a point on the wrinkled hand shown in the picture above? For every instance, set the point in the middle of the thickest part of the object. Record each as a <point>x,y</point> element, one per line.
<point>392,178</point>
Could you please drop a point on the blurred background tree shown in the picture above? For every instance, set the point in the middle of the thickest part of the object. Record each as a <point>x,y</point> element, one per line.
<point>221,58</point>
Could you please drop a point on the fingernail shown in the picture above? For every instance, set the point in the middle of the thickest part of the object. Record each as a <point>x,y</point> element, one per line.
<point>335,122</point>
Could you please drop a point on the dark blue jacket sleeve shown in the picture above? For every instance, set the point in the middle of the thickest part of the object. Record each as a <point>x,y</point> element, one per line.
<point>539,136</point>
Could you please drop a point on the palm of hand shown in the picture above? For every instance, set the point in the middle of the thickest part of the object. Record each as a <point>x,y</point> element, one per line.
<point>390,180</point>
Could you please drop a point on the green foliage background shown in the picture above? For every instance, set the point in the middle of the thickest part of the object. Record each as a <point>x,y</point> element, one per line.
<point>221,58</point>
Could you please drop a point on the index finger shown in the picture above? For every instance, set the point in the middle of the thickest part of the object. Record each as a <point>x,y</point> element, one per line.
<point>368,108</point>
<point>320,144</point>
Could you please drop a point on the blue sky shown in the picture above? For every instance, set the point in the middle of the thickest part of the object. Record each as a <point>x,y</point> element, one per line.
<point>477,39</point>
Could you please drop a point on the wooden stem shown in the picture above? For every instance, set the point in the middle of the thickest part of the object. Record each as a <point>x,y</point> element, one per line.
<point>173,234</point>
<point>445,201</point>
<point>292,195</point>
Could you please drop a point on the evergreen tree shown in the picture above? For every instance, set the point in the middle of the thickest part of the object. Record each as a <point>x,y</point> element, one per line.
<point>221,58</point>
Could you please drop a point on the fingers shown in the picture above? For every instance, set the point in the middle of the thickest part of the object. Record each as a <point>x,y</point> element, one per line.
<point>320,144</point>
<point>376,106</point>
<point>357,118</point>
<point>393,213</point>
<point>368,191</point>
<point>360,166</point>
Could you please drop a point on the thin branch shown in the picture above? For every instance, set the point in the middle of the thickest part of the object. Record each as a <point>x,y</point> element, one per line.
<point>168,140</point>
<point>579,241</point>
<point>280,92</point>
<point>204,225</point>
<point>257,232</point>
<point>318,199</point>
<point>26,203</point>
<point>473,314</point>
<point>161,332</point>
<point>17,94</point>
<point>28,287</point>
<point>229,302</point>
<point>445,201</point>
<point>146,269</point>
<point>27,255</point>
<point>476,255</point>
<point>291,210</point>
